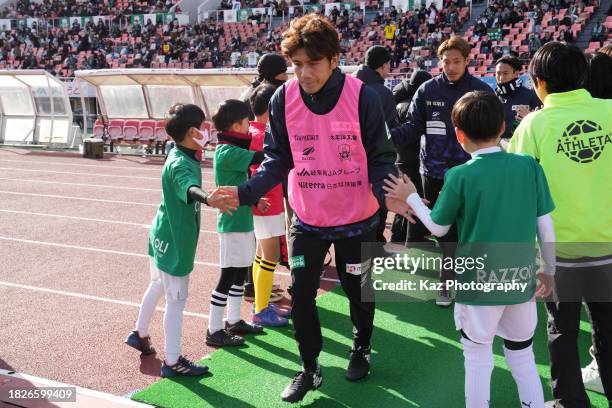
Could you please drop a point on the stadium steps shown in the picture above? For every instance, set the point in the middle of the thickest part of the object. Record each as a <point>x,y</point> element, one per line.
<point>585,35</point>
<point>477,10</point>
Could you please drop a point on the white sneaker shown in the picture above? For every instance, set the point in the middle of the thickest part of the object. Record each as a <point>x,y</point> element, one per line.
<point>549,404</point>
<point>591,378</point>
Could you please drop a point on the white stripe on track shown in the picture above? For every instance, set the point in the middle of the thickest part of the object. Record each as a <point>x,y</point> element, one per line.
<point>104,251</point>
<point>110,166</point>
<point>135,224</point>
<point>77,198</point>
<point>62,163</point>
<point>109,251</point>
<point>99,200</point>
<point>88,297</point>
<point>117,401</point>
<point>72,173</point>
<point>157,190</point>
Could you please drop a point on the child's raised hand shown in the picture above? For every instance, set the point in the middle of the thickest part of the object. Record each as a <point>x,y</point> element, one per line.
<point>545,285</point>
<point>263,205</point>
<point>399,188</point>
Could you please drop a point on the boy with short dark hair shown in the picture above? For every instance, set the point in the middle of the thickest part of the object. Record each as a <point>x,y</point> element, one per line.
<point>498,201</point>
<point>236,239</point>
<point>174,236</point>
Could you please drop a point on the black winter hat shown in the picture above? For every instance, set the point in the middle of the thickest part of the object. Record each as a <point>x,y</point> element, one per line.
<point>270,65</point>
<point>377,56</point>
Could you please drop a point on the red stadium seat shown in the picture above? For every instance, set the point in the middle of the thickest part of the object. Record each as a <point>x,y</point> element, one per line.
<point>146,130</point>
<point>115,129</point>
<point>130,130</point>
<point>98,129</point>
<point>160,131</point>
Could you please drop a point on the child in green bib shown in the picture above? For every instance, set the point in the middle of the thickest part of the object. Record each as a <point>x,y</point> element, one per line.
<point>500,202</point>
<point>174,236</point>
<point>236,233</point>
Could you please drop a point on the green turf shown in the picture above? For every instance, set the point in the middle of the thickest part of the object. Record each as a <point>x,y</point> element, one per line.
<point>416,362</point>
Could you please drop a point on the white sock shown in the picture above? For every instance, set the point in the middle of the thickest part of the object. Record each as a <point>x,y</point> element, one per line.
<point>523,367</point>
<point>478,369</point>
<point>147,307</point>
<point>217,305</point>
<point>233,303</point>
<point>173,327</point>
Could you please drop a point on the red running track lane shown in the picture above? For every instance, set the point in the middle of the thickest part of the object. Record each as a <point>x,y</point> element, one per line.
<point>74,271</point>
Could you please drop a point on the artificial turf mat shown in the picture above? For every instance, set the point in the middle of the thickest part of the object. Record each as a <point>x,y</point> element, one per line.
<point>416,362</point>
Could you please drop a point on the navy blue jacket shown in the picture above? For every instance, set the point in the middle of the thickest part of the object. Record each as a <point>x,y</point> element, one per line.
<point>430,114</point>
<point>279,161</point>
<point>521,96</point>
<point>371,78</point>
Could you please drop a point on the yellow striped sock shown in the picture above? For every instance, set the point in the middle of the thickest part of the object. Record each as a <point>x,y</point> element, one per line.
<point>256,265</point>
<point>263,284</point>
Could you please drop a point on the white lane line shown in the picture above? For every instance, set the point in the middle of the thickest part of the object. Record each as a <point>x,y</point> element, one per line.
<point>88,174</point>
<point>135,224</point>
<point>109,251</point>
<point>98,200</point>
<point>79,390</point>
<point>104,251</point>
<point>110,166</point>
<point>89,297</point>
<point>72,173</point>
<point>62,163</point>
<point>157,190</point>
<point>77,198</point>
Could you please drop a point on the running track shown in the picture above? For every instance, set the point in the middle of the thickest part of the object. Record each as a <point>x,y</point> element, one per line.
<point>73,268</point>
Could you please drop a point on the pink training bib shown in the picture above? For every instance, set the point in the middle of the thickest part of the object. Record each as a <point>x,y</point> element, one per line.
<point>329,184</point>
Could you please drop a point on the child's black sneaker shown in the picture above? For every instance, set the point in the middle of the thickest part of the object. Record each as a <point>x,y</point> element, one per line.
<point>241,328</point>
<point>142,344</point>
<point>182,367</point>
<point>221,338</point>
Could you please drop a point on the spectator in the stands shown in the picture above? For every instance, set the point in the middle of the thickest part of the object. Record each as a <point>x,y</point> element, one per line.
<point>598,79</point>
<point>566,35</point>
<point>598,33</point>
<point>534,44</point>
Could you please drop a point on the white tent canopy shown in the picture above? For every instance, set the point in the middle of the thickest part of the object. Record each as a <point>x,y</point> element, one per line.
<point>34,108</point>
<point>148,93</point>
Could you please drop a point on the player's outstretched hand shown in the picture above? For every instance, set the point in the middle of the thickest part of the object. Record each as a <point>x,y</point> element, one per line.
<point>399,207</point>
<point>219,198</point>
<point>399,187</point>
<point>229,190</point>
<point>545,285</point>
<point>263,205</point>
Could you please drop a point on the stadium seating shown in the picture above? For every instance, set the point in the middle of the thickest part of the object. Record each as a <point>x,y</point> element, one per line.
<point>516,38</point>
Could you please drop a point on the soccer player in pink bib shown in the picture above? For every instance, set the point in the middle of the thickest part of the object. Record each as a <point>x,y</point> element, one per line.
<point>328,133</point>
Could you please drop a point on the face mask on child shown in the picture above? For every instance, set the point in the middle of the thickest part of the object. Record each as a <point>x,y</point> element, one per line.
<point>205,138</point>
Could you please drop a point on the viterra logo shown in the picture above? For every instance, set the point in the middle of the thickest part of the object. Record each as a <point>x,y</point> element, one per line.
<point>583,141</point>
